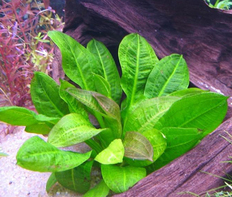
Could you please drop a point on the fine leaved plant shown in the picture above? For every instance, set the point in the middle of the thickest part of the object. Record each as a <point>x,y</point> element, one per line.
<point>157,120</point>
<point>24,46</point>
<point>220,4</point>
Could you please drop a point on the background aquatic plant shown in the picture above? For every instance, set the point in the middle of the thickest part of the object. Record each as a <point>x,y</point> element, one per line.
<point>24,46</point>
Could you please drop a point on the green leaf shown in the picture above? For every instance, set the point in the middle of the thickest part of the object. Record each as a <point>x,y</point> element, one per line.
<point>72,129</point>
<point>18,116</point>
<point>112,154</point>
<point>35,123</point>
<point>102,86</point>
<point>188,92</point>
<point>45,96</point>
<point>51,182</point>
<point>120,179</point>
<point>86,98</point>
<point>77,179</point>
<point>203,111</point>
<point>146,113</point>
<point>169,74</point>
<point>137,146</point>
<point>37,155</point>
<point>76,60</point>
<point>137,59</point>
<point>100,190</point>
<point>179,141</point>
<point>39,128</point>
<point>74,105</point>
<point>108,69</point>
<point>43,126</point>
<point>112,110</point>
<point>48,120</point>
<point>101,105</point>
<point>159,144</point>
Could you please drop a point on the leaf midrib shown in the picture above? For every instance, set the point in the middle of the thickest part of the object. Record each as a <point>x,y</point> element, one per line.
<point>54,105</point>
<point>102,64</point>
<point>168,80</point>
<point>190,120</point>
<point>85,102</point>
<point>136,73</point>
<point>151,119</point>
<point>73,179</point>
<point>78,66</point>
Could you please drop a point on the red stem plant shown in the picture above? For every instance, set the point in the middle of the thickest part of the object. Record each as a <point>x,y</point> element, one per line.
<point>24,47</point>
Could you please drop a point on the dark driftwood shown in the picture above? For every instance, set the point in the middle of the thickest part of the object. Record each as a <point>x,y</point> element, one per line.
<point>186,174</point>
<point>188,27</point>
<point>191,28</point>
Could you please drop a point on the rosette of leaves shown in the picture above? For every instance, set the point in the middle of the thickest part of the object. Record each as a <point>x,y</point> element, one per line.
<point>159,119</point>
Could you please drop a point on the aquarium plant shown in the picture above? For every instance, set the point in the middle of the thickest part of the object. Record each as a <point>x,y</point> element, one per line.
<point>133,124</point>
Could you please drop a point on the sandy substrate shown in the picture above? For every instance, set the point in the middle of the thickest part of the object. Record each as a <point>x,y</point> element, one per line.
<point>16,181</point>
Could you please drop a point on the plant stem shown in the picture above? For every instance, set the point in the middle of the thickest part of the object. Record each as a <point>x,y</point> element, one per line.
<point>6,96</point>
<point>100,120</point>
<point>94,145</point>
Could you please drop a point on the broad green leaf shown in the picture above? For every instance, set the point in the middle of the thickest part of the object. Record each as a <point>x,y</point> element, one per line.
<point>108,69</point>
<point>102,86</point>
<point>45,96</point>
<point>169,74</point>
<point>18,116</point>
<point>145,114</point>
<point>93,106</point>
<point>51,182</point>
<point>112,110</point>
<point>39,128</point>
<point>100,104</point>
<point>35,123</point>
<point>86,98</point>
<point>74,105</point>
<point>159,144</point>
<point>137,59</point>
<point>187,92</point>
<point>109,107</point>
<point>76,60</point>
<point>203,111</point>
<point>100,190</point>
<point>48,120</point>
<point>120,179</point>
<point>72,129</point>
<point>37,155</point>
<point>179,141</point>
<point>137,146</point>
<point>77,179</point>
<point>43,126</point>
<point>113,154</point>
